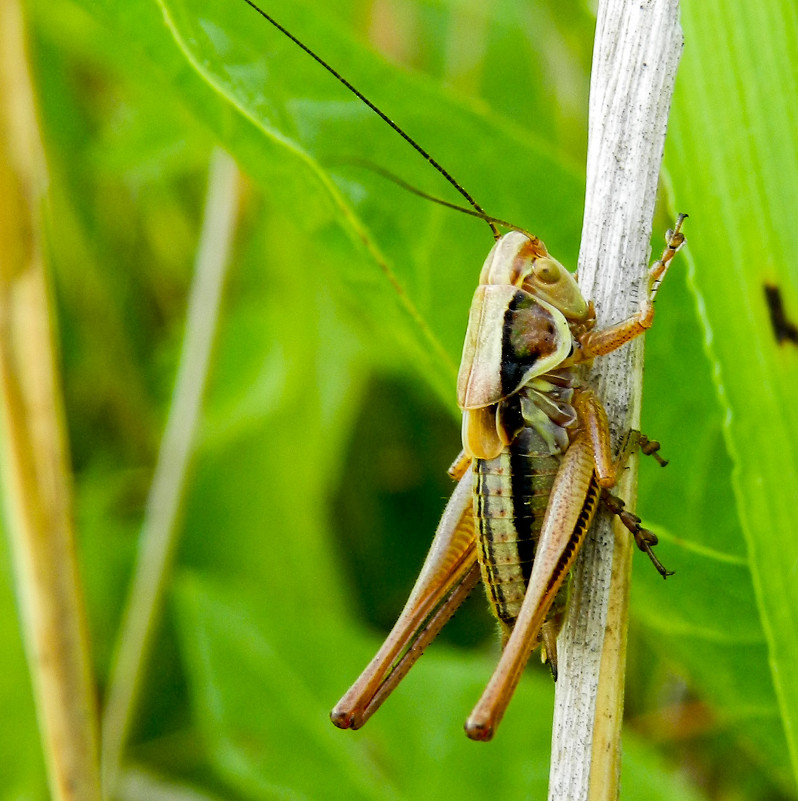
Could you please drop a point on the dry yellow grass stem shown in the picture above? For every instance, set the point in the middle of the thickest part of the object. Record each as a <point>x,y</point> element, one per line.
<point>36,476</point>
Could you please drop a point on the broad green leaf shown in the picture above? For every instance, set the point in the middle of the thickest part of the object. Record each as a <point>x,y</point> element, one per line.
<point>293,128</point>
<point>266,722</point>
<point>735,115</point>
<point>704,621</point>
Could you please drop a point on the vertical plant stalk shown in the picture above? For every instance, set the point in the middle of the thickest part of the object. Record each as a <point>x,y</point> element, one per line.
<point>636,53</point>
<point>160,528</point>
<point>36,478</point>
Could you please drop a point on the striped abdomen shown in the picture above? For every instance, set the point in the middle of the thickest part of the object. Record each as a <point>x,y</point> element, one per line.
<point>511,493</point>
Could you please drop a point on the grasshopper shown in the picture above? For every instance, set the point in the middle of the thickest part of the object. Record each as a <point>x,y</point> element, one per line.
<point>535,465</point>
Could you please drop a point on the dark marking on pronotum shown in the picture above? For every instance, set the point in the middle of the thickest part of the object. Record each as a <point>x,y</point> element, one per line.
<point>528,333</point>
<point>783,329</point>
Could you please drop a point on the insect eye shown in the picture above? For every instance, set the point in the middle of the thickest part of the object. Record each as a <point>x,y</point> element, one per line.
<point>546,271</point>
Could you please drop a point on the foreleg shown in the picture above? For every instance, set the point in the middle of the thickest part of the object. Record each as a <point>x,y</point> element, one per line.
<point>598,343</point>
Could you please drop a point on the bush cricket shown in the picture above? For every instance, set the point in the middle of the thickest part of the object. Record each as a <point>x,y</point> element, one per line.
<point>535,465</point>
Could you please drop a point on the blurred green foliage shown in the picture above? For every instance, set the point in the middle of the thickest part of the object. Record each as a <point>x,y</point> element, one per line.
<point>330,417</point>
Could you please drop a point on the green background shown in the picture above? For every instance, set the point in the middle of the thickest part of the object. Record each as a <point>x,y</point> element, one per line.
<point>330,417</point>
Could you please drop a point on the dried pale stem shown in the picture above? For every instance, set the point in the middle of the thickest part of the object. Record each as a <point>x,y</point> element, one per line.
<point>160,528</point>
<point>636,53</point>
<point>36,479</point>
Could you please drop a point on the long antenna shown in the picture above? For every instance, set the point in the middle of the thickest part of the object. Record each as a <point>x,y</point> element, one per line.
<point>389,176</point>
<point>357,93</point>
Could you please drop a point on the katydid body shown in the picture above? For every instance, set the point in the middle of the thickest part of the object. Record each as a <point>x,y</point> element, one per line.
<point>537,461</point>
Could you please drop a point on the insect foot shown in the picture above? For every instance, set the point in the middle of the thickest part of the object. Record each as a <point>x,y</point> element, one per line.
<point>674,239</point>
<point>650,447</point>
<point>644,538</point>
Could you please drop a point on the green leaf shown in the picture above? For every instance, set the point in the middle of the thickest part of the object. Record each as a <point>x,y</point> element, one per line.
<point>733,163</point>
<point>293,127</point>
<point>265,717</point>
<point>704,622</point>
